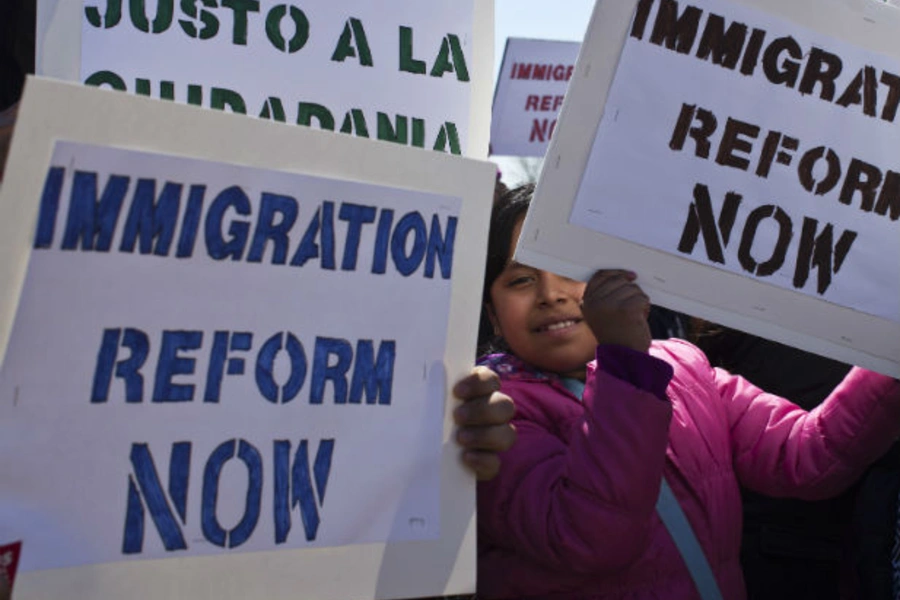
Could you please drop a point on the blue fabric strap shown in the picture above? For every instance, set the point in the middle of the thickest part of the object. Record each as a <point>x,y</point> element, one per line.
<point>573,385</point>
<point>683,535</point>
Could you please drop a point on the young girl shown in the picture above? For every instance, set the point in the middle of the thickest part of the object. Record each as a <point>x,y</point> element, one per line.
<point>613,454</point>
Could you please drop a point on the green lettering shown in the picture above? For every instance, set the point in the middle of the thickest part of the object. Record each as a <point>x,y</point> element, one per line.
<point>112,18</point>
<point>195,94</point>
<point>446,134</point>
<point>273,109</point>
<point>165,9</point>
<point>167,90</point>
<point>142,87</point>
<point>306,111</point>
<point>353,30</point>
<point>221,98</point>
<point>101,78</point>
<point>450,46</point>
<point>240,8</point>
<point>418,133</point>
<point>392,132</point>
<point>301,28</point>
<point>207,18</point>
<point>355,121</point>
<point>407,62</point>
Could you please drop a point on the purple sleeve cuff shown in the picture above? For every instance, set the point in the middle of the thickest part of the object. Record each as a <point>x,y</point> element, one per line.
<point>640,369</point>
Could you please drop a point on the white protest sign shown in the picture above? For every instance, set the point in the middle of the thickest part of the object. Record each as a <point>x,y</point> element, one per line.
<point>743,164</point>
<point>530,91</point>
<point>408,72</point>
<point>234,367</point>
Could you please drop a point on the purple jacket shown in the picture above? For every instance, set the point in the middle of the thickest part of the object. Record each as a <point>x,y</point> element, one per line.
<point>572,512</point>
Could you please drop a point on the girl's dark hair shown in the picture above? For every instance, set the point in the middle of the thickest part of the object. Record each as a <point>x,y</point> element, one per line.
<point>508,211</point>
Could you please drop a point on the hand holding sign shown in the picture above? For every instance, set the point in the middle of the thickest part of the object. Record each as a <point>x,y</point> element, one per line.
<point>616,309</point>
<point>483,421</point>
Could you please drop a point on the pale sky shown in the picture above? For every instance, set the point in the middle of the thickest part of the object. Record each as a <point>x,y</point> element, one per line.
<point>540,19</point>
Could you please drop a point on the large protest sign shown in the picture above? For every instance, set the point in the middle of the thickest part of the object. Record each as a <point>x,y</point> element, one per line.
<point>227,372</point>
<point>530,90</point>
<point>741,157</point>
<point>414,73</point>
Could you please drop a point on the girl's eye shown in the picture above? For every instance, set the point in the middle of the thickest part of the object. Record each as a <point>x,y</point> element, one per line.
<point>520,280</point>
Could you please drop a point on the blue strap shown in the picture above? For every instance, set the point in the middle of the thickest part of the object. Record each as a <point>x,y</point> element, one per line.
<point>573,385</point>
<point>683,535</point>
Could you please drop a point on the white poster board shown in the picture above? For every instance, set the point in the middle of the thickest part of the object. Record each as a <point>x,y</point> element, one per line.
<point>228,374</point>
<point>530,90</point>
<point>415,73</point>
<point>741,158</point>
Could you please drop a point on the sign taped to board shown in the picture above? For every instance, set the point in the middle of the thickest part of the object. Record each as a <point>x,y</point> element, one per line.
<point>742,163</point>
<point>198,410</point>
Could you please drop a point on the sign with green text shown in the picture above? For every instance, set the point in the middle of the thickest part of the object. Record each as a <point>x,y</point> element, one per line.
<point>401,71</point>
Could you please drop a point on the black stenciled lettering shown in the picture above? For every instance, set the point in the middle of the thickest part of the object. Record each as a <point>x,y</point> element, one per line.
<point>821,67</point>
<point>675,32</point>
<point>820,252</point>
<point>701,219</point>
<point>751,52</point>
<point>733,140</point>
<point>889,112</point>
<point>724,46</point>
<point>807,164</point>
<point>861,90</point>
<point>786,72</point>
<point>700,133</point>
<point>641,14</point>
<point>779,252</point>
<point>863,178</point>
<point>889,199</point>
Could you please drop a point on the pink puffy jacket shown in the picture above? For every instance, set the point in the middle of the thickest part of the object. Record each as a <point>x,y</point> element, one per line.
<point>572,512</point>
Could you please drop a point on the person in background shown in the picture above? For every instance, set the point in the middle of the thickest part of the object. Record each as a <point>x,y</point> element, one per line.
<point>624,481</point>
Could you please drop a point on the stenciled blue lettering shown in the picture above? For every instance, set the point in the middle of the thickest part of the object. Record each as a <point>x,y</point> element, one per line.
<point>152,219</point>
<point>265,367</point>
<point>144,487</point>
<point>356,216</point>
<point>324,371</point>
<point>127,369</point>
<point>171,364</point>
<point>294,486</point>
<point>212,529</point>
<point>49,207</point>
<point>266,229</point>
<point>218,247</point>
<point>91,221</point>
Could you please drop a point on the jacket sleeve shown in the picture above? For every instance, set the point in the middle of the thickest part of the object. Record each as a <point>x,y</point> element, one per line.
<point>581,494</point>
<point>780,449</point>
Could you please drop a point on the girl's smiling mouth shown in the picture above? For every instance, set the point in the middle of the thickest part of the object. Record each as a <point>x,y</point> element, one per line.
<point>558,325</point>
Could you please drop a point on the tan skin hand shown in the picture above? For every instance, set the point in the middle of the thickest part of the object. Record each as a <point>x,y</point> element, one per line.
<point>616,309</point>
<point>483,427</point>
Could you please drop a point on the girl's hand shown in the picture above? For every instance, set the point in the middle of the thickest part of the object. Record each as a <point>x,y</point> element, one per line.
<point>616,310</point>
<point>483,427</point>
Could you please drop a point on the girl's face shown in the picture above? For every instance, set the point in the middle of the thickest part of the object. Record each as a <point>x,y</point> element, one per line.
<point>539,315</point>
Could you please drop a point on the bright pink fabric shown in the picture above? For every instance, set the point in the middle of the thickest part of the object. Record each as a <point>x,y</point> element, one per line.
<point>572,512</point>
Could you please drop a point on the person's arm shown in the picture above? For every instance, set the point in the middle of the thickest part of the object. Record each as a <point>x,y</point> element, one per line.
<point>781,450</point>
<point>483,422</point>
